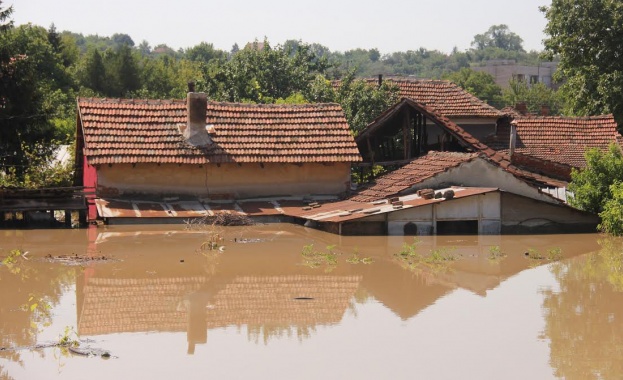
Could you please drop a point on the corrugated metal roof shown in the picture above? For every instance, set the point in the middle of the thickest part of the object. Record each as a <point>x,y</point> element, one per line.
<point>321,211</point>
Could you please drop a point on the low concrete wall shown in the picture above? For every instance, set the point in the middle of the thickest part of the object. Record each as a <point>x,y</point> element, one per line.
<point>224,181</point>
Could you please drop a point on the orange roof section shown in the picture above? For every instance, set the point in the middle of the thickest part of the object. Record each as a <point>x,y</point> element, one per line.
<point>416,171</point>
<point>148,131</point>
<point>559,139</point>
<point>443,96</point>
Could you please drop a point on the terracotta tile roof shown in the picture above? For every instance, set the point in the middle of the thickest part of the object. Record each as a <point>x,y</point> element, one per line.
<point>444,96</point>
<point>465,139</point>
<point>562,140</point>
<point>141,131</point>
<point>412,173</point>
<point>435,163</point>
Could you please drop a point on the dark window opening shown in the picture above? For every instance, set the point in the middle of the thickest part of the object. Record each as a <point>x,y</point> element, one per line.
<point>410,229</point>
<point>457,227</point>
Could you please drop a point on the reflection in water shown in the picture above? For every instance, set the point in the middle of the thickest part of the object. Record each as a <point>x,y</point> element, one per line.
<point>161,282</point>
<point>29,288</point>
<point>584,319</point>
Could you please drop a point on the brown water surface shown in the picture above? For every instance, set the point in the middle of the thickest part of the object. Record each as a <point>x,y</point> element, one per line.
<point>259,308</point>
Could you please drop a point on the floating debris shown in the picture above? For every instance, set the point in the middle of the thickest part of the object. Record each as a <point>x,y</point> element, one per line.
<point>76,259</point>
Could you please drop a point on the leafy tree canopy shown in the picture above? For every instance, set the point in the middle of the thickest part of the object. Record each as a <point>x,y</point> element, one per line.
<point>592,186</point>
<point>498,36</point>
<point>534,95</point>
<point>587,35</point>
<point>479,84</point>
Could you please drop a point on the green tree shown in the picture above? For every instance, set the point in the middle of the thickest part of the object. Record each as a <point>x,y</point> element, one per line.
<point>122,39</point>
<point>92,73</point>
<point>612,214</point>
<point>262,74</point>
<point>479,84</point>
<point>534,95</point>
<point>592,186</point>
<point>36,91</point>
<point>204,52</point>
<point>363,102</point>
<point>498,36</point>
<point>587,35</point>
<point>5,22</point>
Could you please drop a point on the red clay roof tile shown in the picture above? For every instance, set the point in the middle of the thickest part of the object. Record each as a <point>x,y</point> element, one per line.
<point>129,131</point>
<point>444,96</point>
<point>562,140</point>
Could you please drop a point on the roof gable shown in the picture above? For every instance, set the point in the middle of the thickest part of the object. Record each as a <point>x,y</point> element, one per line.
<point>435,163</point>
<point>444,96</point>
<point>148,131</point>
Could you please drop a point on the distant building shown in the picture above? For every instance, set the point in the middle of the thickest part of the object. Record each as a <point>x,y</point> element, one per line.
<point>505,70</point>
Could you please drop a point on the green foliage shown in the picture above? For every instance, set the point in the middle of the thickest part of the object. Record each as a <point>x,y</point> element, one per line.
<point>314,259</point>
<point>357,259</point>
<point>36,88</point>
<point>534,95</point>
<point>495,253</point>
<point>500,37</point>
<point>68,338</point>
<point>262,74</point>
<point>363,102</point>
<point>365,175</point>
<point>592,186</point>
<point>437,260</point>
<point>479,84</point>
<point>553,254</point>
<point>204,52</point>
<point>612,214</point>
<point>43,170</point>
<point>586,35</point>
<point>5,14</point>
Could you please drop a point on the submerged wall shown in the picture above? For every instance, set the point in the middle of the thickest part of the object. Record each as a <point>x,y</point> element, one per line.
<point>523,215</point>
<point>224,181</point>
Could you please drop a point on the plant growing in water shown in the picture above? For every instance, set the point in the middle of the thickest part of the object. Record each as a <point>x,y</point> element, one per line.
<point>553,254</point>
<point>356,259</point>
<point>438,259</point>
<point>313,258</point>
<point>495,253</point>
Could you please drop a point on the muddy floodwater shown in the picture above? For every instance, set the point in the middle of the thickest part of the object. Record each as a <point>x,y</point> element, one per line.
<point>285,302</point>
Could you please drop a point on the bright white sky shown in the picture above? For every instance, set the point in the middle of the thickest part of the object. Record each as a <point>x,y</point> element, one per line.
<point>390,26</point>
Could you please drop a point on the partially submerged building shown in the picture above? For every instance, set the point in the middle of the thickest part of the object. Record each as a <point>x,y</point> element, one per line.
<point>450,100</point>
<point>452,193</point>
<point>553,145</point>
<point>176,150</point>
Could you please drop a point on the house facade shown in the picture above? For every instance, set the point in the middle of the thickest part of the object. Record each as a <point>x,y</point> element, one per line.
<point>450,100</point>
<point>452,193</point>
<point>195,149</point>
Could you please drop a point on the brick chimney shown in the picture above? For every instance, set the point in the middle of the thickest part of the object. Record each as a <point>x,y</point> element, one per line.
<point>522,108</point>
<point>196,110</point>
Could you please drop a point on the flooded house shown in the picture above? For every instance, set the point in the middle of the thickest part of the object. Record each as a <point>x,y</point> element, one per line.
<point>448,193</point>
<point>447,98</point>
<point>163,158</point>
<point>553,145</point>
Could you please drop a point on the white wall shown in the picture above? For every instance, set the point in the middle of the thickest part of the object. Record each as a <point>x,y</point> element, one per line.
<point>486,208</point>
<point>480,173</point>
